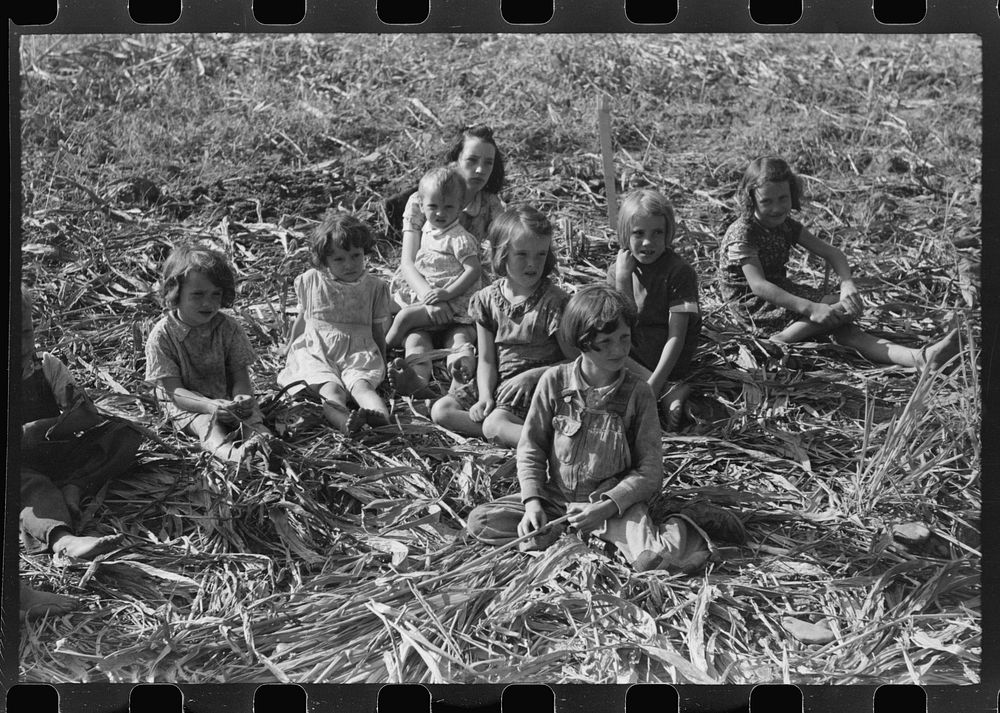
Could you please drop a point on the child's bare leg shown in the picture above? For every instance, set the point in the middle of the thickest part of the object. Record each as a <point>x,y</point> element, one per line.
<point>221,443</point>
<point>63,541</point>
<point>884,351</point>
<point>503,427</point>
<point>408,319</point>
<point>462,360</point>
<point>406,378</point>
<point>335,408</point>
<point>35,604</point>
<point>371,406</point>
<point>448,412</point>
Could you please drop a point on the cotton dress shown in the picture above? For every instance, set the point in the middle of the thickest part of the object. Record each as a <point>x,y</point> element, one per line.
<point>440,260</point>
<point>336,344</point>
<point>746,239</point>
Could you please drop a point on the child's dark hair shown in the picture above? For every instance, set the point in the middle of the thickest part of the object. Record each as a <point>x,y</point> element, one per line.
<point>766,169</point>
<point>495,182</point>
<point>185,259</point>
<point>445,179</point>
<point>594,310</point>
<point>341,230</point>
<point>641,203</point>
<point>511,223</point>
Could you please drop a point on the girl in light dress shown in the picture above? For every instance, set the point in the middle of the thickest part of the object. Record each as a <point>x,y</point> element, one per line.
<point>337,342</point>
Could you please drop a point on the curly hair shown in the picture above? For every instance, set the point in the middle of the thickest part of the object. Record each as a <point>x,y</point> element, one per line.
<point>513,222</point>
<point>445,179</point>
<point>494,184</point>
<point>593,310</point>
<point>185,259</point>
<point>340,230</point>
<point>644,203</point>
<point>766,169</point>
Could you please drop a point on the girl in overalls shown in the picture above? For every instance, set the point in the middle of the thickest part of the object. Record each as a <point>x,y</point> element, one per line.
<point>591,448</point>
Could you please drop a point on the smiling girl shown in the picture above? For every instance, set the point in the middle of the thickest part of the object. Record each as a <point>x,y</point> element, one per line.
<point>754,255</point>
<point>664,289</point>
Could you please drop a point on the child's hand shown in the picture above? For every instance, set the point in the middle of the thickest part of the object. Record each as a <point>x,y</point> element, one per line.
<point>517,390</point>
<point>481,409</point>
<point>440,313</point>
<point>243,405</point>
<point>625,262</point>
<point>534,518</point>
<point>589,516</point>
<point>225,411</point>
<point>435,295</point>
<point>850,298</point>
<point>826,315</point>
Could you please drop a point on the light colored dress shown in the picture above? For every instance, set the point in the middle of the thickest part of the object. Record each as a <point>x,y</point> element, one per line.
<point>440,260</point>
<point>337,343</point>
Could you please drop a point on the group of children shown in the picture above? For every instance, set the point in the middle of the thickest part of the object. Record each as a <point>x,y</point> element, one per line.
<point>578,384</point>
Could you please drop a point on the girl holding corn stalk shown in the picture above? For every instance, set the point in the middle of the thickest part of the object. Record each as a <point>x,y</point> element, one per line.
<point>199,357</point>
<point>591,450</point>
<point>754,254</point>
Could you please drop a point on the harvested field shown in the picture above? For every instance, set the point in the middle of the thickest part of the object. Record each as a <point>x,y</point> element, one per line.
<point>339,560</point>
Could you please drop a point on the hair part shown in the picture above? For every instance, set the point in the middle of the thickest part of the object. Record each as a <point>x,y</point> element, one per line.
<point>593,310</point>
<point>338,230</point>
<point>185,259</point>
<point>445,179</point>
<point>513,222</point>
<point>483,132</point>
<point>644,203</point>
<point>766,169</point>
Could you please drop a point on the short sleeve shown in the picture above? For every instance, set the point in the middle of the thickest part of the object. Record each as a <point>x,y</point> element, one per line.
<point>464,246</point>
<point>481,309</point>
<point>739,246</point>
<point>794,230</point>
<point>682,290</point>
<point>239,351</point>
<point>380,301</point>
<point>161,359</point>
<point>413,217</point>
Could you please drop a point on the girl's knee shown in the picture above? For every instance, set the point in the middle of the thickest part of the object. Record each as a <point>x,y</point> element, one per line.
<point>443,408</point>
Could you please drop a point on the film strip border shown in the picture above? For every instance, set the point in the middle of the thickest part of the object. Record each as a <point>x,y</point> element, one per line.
<point>515,698</point>
<point>582,16</point>
<point>83,16</point>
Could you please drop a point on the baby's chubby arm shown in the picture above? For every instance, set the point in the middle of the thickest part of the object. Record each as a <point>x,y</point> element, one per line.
<point>471,270</point>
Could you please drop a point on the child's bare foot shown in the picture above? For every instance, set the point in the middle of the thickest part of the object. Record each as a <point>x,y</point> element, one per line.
<point>373,418</point>
<point>354,423</point>
<point>84,547</point>
<point>35,604</point>
<point>404,379</point>
<point>936,355</point>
